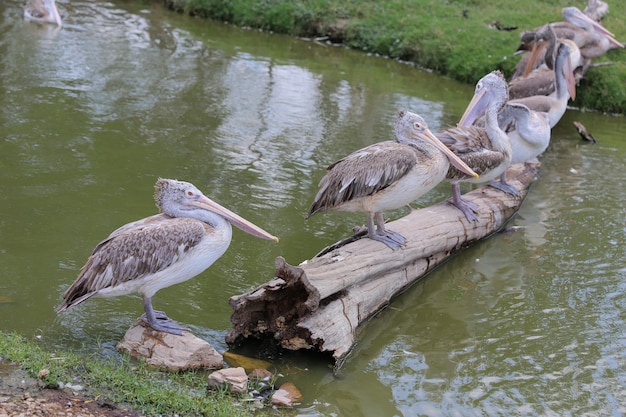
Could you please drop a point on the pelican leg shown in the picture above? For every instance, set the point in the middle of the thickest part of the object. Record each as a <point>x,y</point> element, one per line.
<point>158,320</point>
<point>381,234</point>
<point>468,208</point>
<point>504,186</point>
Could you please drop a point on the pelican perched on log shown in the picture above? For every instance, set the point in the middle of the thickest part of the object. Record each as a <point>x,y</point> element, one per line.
<point>528,131</point>
<point>487,150</point>
<point>147,255</point>
<point>387,175</point>
<point>538,75</point>
<point>42,11</point>
<point>555,104</point>
<point>537,47</point>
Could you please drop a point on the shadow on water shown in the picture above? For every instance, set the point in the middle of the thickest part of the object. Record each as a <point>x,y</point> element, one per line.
<point>529,322</point>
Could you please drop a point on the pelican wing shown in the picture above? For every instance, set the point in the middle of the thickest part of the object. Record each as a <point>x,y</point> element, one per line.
<point>363,173</point>
<point>540,82</point>
<point>473,146</point>
<point>462,140</point>
<point>133,252</point>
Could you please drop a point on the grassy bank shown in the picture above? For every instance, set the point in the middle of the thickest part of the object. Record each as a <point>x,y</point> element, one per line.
<point>123,381</point>
<point>454,38</point>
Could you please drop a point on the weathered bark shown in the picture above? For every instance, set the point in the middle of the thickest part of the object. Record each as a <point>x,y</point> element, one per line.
<point>320,304</point>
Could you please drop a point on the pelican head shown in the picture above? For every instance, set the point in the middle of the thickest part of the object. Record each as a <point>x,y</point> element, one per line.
<point>544,35</point>
<point>183,199</point>
<point>411,127</point>
<point>489,96</point>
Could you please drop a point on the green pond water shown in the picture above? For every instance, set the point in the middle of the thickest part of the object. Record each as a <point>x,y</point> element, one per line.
<point>528,322</point>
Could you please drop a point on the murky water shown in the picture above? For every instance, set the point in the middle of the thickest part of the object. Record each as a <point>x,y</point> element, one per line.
<point>530,322</point>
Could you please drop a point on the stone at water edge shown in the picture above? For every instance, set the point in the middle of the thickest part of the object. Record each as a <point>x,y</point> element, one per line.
<point>286,395</point>
<point>235,378</point>
<point>169,351</point>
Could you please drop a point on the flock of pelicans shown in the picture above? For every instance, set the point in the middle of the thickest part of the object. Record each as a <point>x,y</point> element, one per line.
<point>505,123</point>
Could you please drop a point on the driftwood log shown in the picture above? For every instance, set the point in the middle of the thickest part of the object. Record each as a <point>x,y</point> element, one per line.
<point>320,304</point>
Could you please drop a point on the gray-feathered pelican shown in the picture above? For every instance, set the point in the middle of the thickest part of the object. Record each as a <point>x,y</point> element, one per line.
<point>145,256</point>
<point>591,37</point>
<point>538,78</point>
<point>42,11</point>
<point>487,150</point>
<point>555,104</point>
<point>386,176</point>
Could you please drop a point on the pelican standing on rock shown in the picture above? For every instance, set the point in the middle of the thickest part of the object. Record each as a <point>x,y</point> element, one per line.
<point>42,11</point>
<point>145,256</point>
<point>387,175</point>
<point>486,150</point>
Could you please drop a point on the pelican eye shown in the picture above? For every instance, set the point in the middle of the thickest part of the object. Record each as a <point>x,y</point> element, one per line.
<point>417,125</point>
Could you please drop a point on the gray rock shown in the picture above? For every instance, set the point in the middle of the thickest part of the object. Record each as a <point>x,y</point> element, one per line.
<point>235,378</point>
<point>168,351</point>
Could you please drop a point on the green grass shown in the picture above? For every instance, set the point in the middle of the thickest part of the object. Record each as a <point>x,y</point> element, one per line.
<point>451,37</point>
<point>125,381</point>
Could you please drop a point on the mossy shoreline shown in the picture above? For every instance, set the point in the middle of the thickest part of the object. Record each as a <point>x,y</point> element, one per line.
<point>458,39</point>
<point>126,382</point>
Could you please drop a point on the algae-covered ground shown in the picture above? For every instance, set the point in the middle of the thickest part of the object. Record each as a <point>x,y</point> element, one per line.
<point>459,39</point>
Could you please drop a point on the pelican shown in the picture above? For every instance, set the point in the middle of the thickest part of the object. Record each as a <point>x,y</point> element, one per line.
<point>538,76</point>
<point>591,37</point>
<point>42,11</point>
<point>556,104</point>
<point>487,150</point>
<point>535,46</point>
<point>528,132</point>
<point>144,256</point>
<point>387,175</point>
<point>596,9</point>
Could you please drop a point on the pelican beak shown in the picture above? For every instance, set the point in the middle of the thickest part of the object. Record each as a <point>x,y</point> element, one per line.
<point>569,78</point>
<point>454,160</point>
<point>55,16</point>
<point>538,47</point>
<point>598,28</point>
<point>474,110</point>
<point>236,220</point>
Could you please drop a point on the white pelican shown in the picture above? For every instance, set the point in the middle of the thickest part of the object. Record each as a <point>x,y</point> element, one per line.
<point>487,150</point>
<point>142,257</point>
<point>528,130</point>
<point>42,11</point>
<point>556,104</point>
<point>387,175</point>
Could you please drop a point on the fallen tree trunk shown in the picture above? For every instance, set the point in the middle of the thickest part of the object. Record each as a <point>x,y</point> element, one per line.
<point>320,304</point>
